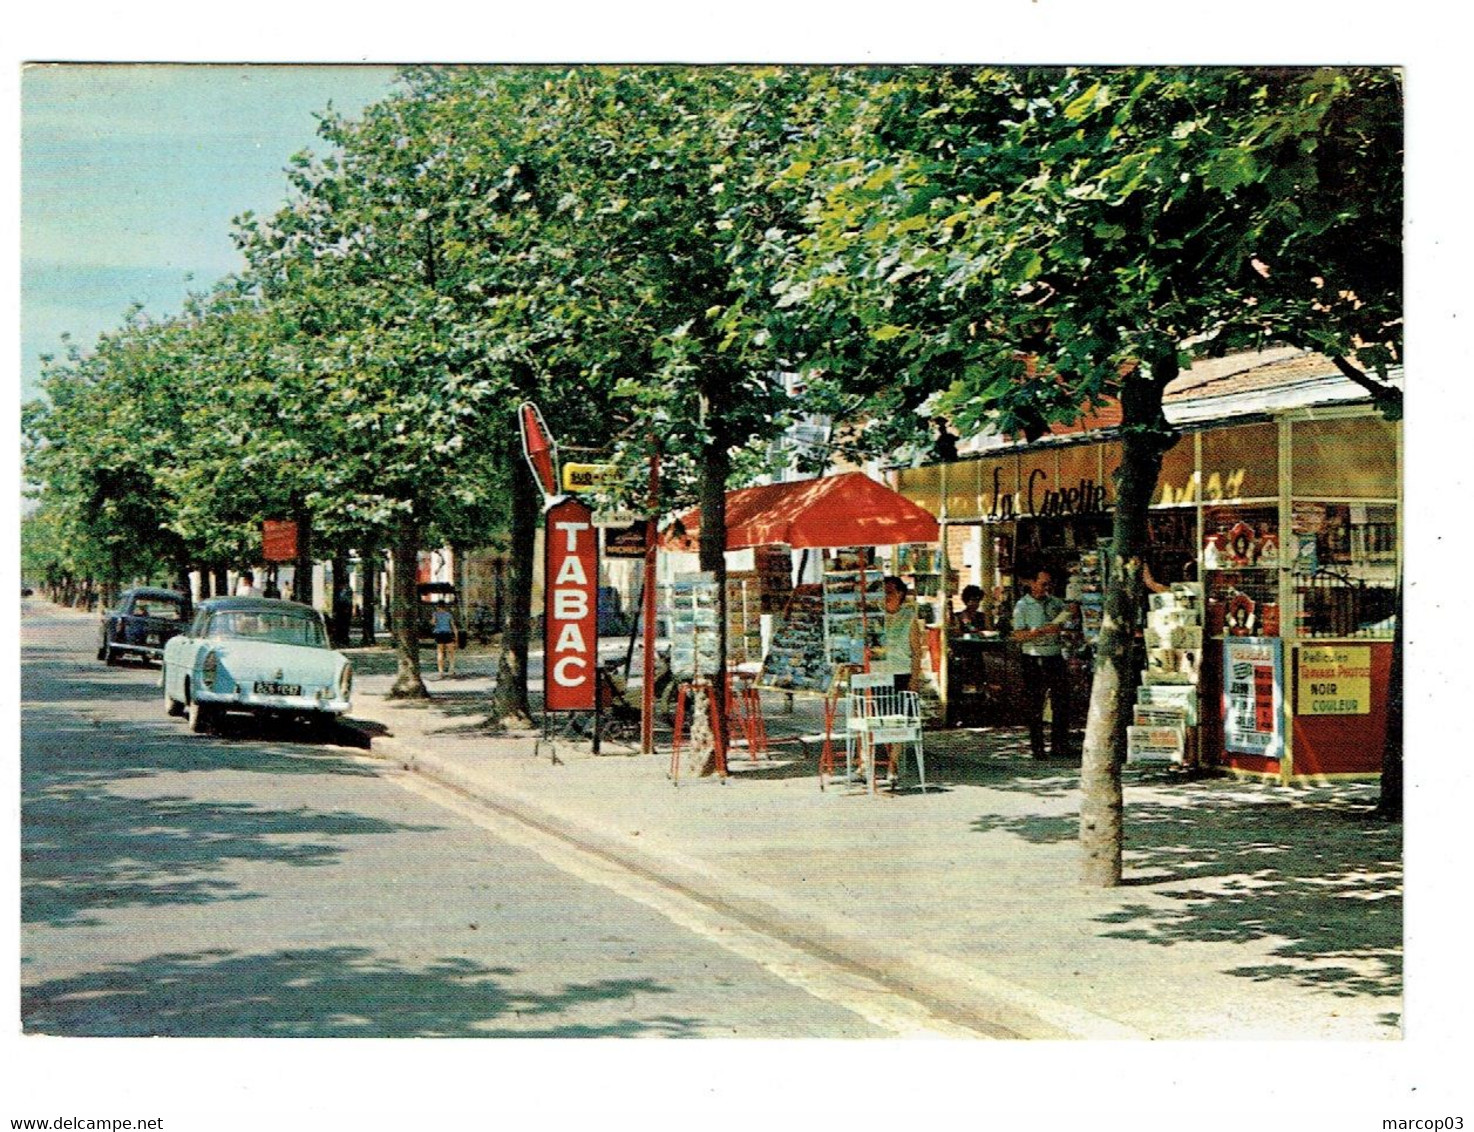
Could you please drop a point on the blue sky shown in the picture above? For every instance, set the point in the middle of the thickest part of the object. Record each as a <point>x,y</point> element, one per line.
<point>131,175</point>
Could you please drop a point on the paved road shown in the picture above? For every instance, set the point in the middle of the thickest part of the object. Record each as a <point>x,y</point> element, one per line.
<point>256,884</point>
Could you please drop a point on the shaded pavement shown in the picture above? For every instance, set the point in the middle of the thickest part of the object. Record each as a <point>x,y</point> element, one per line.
<point>1248,910</point>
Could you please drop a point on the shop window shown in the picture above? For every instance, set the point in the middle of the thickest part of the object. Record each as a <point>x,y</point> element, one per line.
<point>1178,479</point>
<point>1345,569</point>
<point>964,490</point>
<point>1172,544</point>
<point>922,486</point>
<point>1241,463</point>
<point>1344,458</point>
<point>1241,559</point>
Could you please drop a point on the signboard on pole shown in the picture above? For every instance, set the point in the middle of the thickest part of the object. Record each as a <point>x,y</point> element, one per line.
<point>539,447</point>
<point>588,477</point>
<point>1253,696</point>
<point>626,542</point>
<point>278,540</point>
<point>571,608</point>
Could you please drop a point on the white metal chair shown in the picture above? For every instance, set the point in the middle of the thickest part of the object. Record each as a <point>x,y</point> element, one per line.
<point>878,715</point>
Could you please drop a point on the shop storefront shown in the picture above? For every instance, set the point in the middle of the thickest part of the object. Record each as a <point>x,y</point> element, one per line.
<point>1290,521</point>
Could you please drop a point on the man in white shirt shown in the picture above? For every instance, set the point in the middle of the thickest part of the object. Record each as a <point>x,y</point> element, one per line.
<point>1038,619</point>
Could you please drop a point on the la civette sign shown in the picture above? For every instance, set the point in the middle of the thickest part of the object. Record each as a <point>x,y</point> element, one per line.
<point>1039,500</point>
<point>571,607</point>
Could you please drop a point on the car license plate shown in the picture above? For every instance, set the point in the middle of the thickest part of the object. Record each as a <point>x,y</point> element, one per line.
<point>153,639</point>
<point>271,688</point>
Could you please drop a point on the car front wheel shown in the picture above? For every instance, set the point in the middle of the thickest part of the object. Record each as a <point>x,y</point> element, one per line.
<point>202,717</point>
<point>171,705</point>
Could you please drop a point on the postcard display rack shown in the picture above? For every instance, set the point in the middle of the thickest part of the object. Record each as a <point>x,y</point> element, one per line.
<point>744,617</point>
<point>691,613</point>
<point>854,614</point>
<point>1086,587</point>
<point>827,628</point>
<point>1165,718</point>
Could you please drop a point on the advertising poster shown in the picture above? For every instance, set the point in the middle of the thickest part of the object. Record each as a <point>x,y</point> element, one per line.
<point>1334,680</point>
<point>1253,696</point>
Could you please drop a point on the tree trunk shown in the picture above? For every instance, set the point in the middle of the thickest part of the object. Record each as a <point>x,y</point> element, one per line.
<point>1389,804</point>
<point>342,600</point>
<point>408,684</point>
<point>222,582</point>
<point>302,569</point>
<point>712,547</point>
<point>509,707</point>
<point>1145,437</point>
<point>370,594</point>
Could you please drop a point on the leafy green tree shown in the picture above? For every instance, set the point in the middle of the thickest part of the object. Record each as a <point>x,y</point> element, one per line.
<point>594,221</point>
<point>94,445</point>
<point>389,392</point>
<point>1027,242</point>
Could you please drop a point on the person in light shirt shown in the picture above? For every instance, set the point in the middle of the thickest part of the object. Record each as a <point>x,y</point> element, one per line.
<point>903,638</point>
<point>1038,620</point>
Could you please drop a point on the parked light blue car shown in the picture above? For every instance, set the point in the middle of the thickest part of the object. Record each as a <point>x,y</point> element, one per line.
<point>255,655</point>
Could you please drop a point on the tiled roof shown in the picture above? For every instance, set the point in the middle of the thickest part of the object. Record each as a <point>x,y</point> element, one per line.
<point>1245,373</point>
<point>1278,378</point>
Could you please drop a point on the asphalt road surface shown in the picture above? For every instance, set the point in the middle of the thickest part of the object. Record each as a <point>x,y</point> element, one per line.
<point>263,882</point>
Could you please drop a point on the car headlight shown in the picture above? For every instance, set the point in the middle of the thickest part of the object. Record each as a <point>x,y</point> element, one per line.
<point>345,681</point>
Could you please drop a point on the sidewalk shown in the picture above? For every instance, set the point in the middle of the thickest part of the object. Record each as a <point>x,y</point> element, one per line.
<point>1248,911</point>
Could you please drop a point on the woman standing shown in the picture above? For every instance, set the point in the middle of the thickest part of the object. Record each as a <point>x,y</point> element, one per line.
<point>903,638</point>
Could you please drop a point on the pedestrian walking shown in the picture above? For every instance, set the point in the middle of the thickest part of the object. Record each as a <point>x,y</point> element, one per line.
<point>245,585</point>
<point>443,627</point>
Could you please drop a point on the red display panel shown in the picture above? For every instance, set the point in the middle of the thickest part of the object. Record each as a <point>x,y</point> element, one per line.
<point>571,607</point>
<point>1347,744</point>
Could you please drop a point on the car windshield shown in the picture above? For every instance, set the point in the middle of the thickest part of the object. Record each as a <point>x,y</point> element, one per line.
<point>160,608</point>
<point>281,627</point>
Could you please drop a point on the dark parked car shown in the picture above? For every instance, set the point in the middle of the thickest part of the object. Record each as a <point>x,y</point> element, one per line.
<point>141,623</point>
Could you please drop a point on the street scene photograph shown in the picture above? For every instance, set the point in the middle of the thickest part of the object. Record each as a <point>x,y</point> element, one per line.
<point>854,561</point>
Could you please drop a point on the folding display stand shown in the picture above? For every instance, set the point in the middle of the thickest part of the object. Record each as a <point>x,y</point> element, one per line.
<point>689,691</point>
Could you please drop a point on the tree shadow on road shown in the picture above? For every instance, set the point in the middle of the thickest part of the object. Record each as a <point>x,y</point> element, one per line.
<point>1316,877</point>
<point>85,846</point>
<point>336,992</point>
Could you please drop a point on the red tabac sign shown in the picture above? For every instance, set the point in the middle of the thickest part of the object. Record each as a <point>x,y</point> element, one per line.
<point>571,609</point>
<point>278,541</point>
